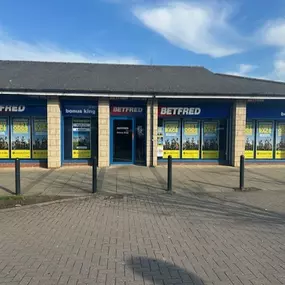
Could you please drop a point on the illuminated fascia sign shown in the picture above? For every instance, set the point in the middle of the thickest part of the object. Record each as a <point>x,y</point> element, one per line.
<point>115,110</point>
<point>12,108</point>
<point>179,111</point>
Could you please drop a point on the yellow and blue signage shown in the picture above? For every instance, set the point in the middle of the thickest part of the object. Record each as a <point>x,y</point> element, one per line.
<point>249,140</point>
<point>190,139</point>
<point>4,138</point>
<point>264,140</point>
<point>171,144</point>
<point>20,138</point>
<point>194,110</point>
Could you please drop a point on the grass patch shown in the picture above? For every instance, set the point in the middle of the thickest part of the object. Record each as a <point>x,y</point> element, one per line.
<point>17,201</point>
<point>14,198</point>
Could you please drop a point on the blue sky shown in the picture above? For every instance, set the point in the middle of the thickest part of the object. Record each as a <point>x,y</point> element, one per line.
<point>245,37</point>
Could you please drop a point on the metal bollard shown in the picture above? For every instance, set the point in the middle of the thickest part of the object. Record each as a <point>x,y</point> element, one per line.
<point>169,174</point>
<point>94,175</point>
<point>17,177</point>
<point>241,173</point>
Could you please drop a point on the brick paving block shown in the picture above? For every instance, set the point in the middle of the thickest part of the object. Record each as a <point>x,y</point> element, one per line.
<point>146,239</point>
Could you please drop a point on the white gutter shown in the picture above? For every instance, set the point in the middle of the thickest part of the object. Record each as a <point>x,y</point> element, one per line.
<point>74,94</point>
<point>23,93</point>
<point>218,97</point>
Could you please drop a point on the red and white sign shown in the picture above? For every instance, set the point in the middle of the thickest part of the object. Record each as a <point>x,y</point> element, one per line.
<point>178,111</point>
<point>117,111</point>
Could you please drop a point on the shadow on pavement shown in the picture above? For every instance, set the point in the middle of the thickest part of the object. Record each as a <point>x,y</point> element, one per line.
<point>207,206</point>
<point>6,190</point>
<point>154,271</point>
<point>212,206</point>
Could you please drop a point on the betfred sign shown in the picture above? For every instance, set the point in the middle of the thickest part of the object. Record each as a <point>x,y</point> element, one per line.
<point>119,111</point>
<point>12,109</point>
<point>179,111</point>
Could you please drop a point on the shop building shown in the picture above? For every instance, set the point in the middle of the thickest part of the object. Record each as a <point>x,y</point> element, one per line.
<point>56,114</point>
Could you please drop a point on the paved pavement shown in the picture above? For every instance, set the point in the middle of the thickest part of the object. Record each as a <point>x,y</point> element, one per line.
<point>150,238</point>
<point>139,180</point>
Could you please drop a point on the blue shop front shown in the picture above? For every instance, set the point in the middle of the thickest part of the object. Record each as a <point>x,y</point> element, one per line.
<point>23,129</point>
<point>128,132</point>
<point>79,130</point>
<point>265,131</point>
<point>194,131</point>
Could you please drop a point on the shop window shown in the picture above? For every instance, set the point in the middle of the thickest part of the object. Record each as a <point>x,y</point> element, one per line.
<point>4,138</point>
<point>21,138</point>
<point>249,140</point>
<point>80,138</point>
<point>192,139</point>
<point>210,144</point>
<point>264,140</point>
<point>280,140</point>
<point>171,144</point>
<point>39,138</point>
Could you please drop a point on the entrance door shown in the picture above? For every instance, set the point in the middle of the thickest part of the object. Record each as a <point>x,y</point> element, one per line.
<point>123,140</point>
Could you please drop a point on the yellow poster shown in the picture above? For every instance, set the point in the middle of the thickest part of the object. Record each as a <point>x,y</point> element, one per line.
<point>190,140</point>
<point>21,153</point>
<point>173,153</point>
<point>280,141</point>
<point>40,154</point>
<point>4,138</point>
<point>81,136</point>
<point>21,142</point>
<point>210,154</point>
<point>40,138</point>
<point>249,154</point>
<point>264,142</point>
<point>81,153</point>
<point>210,141</point>
<point>4,153</point>
<point>249,140</point>
<point>171,144</point>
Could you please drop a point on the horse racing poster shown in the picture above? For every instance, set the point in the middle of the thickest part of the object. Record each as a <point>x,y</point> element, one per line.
<point>21,142</point>
<point>4,138</point>
<point>190,140</point>
<point>171,144</point>
<point>40,139</point>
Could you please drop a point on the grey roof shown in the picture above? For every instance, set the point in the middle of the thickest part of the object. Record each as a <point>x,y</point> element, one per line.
<point>130,79</point>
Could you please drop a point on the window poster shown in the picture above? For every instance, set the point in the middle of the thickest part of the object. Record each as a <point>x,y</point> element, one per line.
<point>160,142</point>
<point>171,144</point>
<point>210,140</point>
<point>280,141</point>
<point>81,138</point>
<point>264,140</point>
<point>190,140</point>
<point>4,138</point>
<point>21,142</point>
<point>249,140</point>
<point>40,139</point>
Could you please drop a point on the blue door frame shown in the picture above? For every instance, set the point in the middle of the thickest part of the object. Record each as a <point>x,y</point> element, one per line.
<point>112,139</point>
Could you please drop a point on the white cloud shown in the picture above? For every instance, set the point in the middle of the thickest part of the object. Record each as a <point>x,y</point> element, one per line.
<point>11,49</point>
<point>243,70</point>
<point>273,33</point>
<point>278,72</point>
<point>200,28</point>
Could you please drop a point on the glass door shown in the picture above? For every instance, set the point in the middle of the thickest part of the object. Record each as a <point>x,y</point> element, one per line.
<point>122,141</point>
